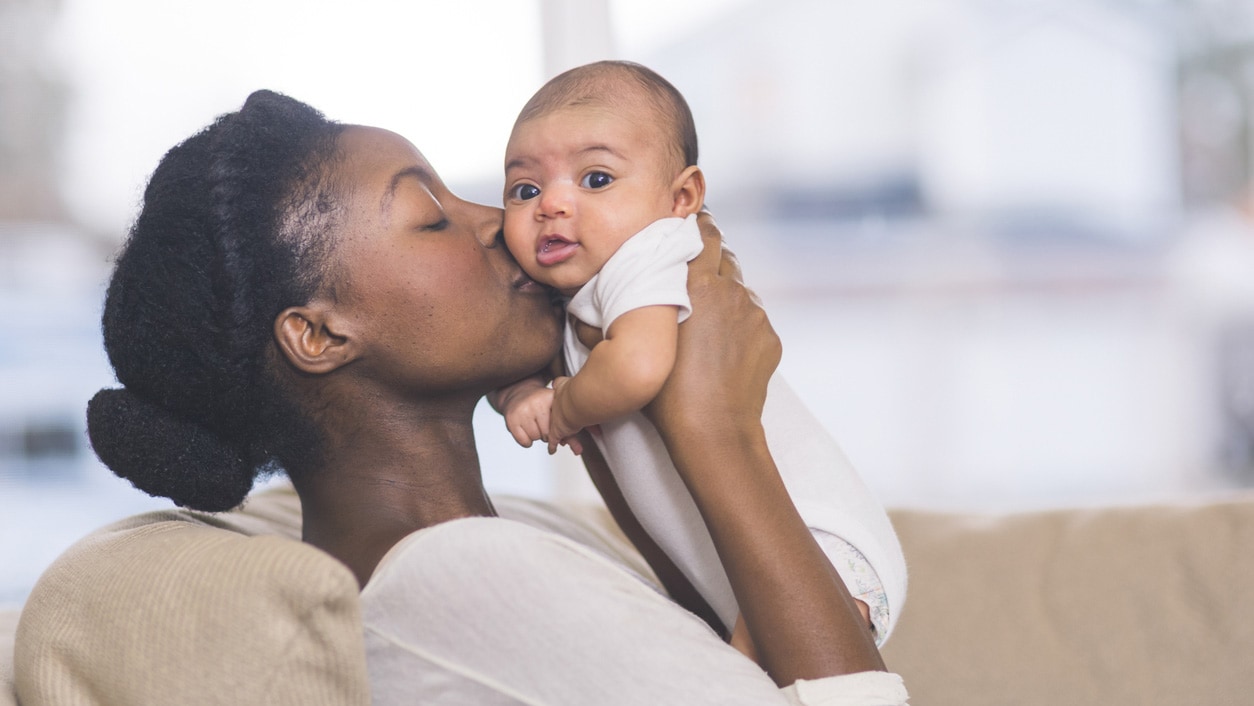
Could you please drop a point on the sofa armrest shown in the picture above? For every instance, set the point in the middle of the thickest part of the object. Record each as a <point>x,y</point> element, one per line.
<point>176,607</point>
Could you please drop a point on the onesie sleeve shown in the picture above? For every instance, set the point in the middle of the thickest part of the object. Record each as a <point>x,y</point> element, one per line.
<point>650,269</point>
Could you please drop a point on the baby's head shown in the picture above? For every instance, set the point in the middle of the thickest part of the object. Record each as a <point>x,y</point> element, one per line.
<point>636,93</point>
<point>597,154</point>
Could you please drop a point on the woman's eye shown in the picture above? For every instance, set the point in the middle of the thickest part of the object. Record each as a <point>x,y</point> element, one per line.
<point>596,180</point>
<point>524,192</point>
<point>437,226</point>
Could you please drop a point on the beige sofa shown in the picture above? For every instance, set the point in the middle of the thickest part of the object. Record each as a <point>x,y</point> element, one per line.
<point>1117,605</point>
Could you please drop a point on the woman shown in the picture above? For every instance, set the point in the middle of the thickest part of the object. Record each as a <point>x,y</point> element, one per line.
<point>302,295</point>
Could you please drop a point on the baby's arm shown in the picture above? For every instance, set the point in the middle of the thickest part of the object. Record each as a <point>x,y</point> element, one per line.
<point>623,373</point>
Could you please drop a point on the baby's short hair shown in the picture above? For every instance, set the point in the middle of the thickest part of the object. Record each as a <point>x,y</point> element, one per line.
<point>589,85</point>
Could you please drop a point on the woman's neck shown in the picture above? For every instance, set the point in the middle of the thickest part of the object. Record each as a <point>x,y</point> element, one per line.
<point>382,480</point>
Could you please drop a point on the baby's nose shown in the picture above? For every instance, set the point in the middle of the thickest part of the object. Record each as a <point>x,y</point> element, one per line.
<point>555,201</point>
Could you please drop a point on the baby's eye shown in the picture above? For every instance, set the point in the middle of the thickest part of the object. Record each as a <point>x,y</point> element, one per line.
<point>596,180</point>
<point>524,192</point>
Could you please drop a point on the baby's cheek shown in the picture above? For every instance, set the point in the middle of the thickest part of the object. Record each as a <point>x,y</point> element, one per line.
<point>516,230</point>
<point>525,257</point>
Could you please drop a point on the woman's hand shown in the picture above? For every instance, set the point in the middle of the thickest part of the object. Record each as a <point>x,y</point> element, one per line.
<point>802,621</point>
<point>717,371</point>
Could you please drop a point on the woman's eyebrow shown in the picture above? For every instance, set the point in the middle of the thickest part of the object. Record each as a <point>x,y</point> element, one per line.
<point>422,175</point>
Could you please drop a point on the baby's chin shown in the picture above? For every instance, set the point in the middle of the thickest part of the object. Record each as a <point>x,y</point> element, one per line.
<point>564,286</point>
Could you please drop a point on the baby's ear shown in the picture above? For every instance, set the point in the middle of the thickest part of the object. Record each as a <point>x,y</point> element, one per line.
<point>689,191</point>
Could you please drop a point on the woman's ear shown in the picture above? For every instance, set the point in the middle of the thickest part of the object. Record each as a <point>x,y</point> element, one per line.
<point>689,191</point>
<point>311,339</point>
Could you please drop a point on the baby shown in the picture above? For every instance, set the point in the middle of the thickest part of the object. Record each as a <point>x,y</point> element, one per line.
<point>601,191</point>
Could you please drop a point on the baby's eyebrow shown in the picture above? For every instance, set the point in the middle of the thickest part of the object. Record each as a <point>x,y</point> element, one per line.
<point>602,148</point>
<point>522,161</point>
<point>518,162</point>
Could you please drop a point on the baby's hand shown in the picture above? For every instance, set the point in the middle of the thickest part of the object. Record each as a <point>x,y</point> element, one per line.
<point>561,430</point>
<point>527,415</point>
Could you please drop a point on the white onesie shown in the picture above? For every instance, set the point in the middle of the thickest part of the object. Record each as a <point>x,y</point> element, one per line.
<point>853,529</point>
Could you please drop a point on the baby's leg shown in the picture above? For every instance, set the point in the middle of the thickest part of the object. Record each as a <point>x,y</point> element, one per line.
<point>861,580</point>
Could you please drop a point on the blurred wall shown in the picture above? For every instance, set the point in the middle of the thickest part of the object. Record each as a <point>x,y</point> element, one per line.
<point>33,95</point>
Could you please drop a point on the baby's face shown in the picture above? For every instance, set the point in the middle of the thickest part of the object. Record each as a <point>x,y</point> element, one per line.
<point>579,182</point>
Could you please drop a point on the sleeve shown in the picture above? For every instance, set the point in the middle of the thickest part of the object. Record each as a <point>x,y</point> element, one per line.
<point>861,689</point>
<point>650,269</point>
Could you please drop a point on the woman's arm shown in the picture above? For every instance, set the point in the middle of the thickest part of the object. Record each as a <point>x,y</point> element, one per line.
<point>804,623</point>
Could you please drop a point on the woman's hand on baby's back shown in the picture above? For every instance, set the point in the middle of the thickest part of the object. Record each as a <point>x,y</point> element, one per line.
<point>727,349</point>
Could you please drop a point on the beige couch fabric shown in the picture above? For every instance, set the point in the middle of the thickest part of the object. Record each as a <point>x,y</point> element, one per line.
<point>8,625</point>
<point>171,604</point>
<point>1133,605</point>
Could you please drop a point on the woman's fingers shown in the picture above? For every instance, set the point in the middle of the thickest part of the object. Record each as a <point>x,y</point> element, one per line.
<point>727,349</point>
<point>709,260</point>
<point>716,258</point>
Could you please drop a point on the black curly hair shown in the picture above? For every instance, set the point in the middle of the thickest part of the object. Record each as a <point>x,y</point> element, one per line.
<point>236,225</point>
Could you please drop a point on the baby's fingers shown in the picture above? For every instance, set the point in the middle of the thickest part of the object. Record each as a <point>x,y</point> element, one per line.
<point>528,428</point>
<point>571,442</point>
<point>521,435</point>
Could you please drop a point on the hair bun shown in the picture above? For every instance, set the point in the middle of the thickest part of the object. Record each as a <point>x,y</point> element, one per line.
<point>165,456</point>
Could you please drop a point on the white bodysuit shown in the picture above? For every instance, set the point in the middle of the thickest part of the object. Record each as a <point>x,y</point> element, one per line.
<point>849,522</point>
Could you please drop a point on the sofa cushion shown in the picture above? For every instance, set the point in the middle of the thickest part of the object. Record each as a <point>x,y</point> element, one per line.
<point>181,607</point>
<point>1117,605</point>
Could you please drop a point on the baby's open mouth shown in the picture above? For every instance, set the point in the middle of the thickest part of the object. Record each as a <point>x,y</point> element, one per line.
<point>552,249</point>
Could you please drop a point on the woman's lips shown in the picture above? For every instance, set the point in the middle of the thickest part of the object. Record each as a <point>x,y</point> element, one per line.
<point>553,249</point>
<point>524,282</point>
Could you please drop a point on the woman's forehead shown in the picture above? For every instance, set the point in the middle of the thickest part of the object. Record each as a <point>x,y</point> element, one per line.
<point>376,160</point>
<point>376,148</point>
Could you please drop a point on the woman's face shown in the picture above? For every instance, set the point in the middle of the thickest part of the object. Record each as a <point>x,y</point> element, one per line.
<point>434,300</point>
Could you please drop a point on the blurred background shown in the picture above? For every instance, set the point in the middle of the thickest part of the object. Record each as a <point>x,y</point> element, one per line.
<point>1007,243</point>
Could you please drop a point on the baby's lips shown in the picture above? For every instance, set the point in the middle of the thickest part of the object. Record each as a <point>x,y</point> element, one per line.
<point>553,249</point>
<point>547,241</point>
